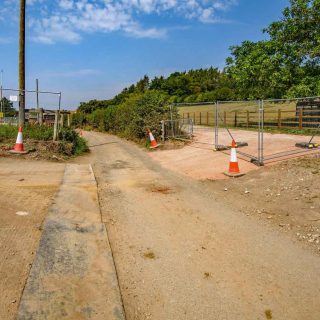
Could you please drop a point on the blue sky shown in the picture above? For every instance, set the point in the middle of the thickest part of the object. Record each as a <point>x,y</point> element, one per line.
<point>94,48</point>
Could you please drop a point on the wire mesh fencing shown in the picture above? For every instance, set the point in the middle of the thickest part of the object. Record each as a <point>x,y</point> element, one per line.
<point>177,129</point>
<point>263,129</point>
<point>240,121</point>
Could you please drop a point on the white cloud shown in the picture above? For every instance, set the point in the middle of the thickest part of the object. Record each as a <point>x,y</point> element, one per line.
<point>66,20</point>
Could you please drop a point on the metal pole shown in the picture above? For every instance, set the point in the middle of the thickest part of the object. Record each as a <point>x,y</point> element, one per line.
<point>59,101</point>
<point>37,89</point>
<point>216,124</point>
<point>37,95</point>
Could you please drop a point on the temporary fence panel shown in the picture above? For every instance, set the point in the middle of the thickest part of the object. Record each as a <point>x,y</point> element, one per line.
<point>240,121</point>
<point>263,129</point>
<point>178,129</point>
<point>203,117</point>
<point>298,121</point>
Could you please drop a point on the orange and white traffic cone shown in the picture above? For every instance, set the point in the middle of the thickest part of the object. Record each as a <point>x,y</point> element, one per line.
<point>234,170</point>
<point>153,142</point>
<point>19,148</point>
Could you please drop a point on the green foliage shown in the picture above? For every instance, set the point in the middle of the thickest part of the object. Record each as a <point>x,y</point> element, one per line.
<point>78,119</point>
<point>8,132</point>
<point>283,65</point>
<point>7,107</point>
<point>34,132</point>
<point>37,132</point>
<point>209,84</point>
<point>67,136</point>
<point>131,118</point>
<point>79,145</point>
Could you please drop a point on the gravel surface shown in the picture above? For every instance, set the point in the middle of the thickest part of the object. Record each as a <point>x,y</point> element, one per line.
<point>184,250</point>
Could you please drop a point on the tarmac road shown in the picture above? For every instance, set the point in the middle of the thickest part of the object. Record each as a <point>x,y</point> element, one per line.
<point>182,253</point>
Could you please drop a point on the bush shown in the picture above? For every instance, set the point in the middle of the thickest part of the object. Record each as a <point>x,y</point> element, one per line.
<point>70,142</point>
<point>79,145</point>
<point>132,118</point>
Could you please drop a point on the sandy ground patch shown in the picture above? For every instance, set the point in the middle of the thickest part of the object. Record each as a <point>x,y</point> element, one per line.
<point>198,160</point>
<point>26,190</point>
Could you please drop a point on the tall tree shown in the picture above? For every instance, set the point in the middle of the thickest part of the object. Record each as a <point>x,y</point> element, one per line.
<point>22,69</point>
<point>285,65</point>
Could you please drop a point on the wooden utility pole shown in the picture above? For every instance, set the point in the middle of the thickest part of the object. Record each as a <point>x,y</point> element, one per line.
<point>22,73</point>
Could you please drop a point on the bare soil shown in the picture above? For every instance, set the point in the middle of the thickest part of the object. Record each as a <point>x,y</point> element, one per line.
<point>26,191</point>
<point>286,195</point>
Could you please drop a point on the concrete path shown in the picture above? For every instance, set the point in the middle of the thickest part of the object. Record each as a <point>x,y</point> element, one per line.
<point>73,275</point>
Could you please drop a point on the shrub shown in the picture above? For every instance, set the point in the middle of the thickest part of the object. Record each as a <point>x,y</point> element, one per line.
<point>79,145</point>
<point>132,118</point>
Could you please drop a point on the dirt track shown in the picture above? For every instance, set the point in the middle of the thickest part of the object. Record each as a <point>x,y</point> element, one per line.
<point>183,253</point>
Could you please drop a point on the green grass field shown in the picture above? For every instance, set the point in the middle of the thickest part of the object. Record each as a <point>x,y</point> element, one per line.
<point>244,110</point>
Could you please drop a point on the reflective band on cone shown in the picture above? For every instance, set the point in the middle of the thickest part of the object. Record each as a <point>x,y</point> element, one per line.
<point>19,142</point>
<point>234,170</point>
<point>233,166</point>
<point>153,142</point>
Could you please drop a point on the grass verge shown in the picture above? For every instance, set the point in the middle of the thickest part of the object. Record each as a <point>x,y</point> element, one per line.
<point>40,140</point>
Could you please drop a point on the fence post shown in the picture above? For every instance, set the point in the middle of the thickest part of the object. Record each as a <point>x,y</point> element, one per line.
<point>248,118</point>
<point>69,120</point>
<point>62,120</point>
<point>162,130</point>
<point>279,118</point>
<point>55,128</point>
<point>40,114</point>
<point>225,118</point>
<point>194,118</point>
<point>200,118</point>
<point>207,118</point>
<point>235,118</point>
<point>300,118</point>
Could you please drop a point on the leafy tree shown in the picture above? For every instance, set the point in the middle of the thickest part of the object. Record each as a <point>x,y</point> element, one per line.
<point>281,66</point>
<point>7,107</point>
<point>142,85</point>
